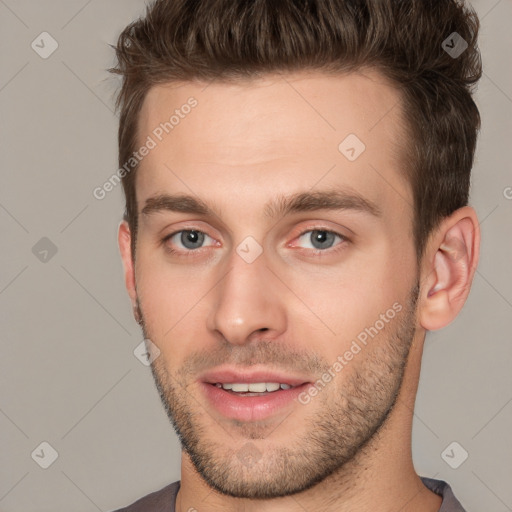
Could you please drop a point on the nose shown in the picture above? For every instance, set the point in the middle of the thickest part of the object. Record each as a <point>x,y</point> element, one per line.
<point>249,299</point>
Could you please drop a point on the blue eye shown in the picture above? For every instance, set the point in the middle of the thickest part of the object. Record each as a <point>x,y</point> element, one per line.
<point>189,238</point>
<point>321,239</point>
<point>188,241</point>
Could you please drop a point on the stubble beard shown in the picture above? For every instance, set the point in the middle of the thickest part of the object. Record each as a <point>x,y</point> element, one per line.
<point>347,415</point>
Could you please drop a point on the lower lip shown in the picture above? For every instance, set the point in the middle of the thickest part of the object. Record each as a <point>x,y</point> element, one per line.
<point>250,408</point>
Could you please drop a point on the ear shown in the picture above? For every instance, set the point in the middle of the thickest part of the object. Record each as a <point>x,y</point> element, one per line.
<point>448,268</point>
<point>124,238</point>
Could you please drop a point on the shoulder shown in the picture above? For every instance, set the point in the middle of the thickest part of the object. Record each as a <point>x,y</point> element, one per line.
<point>159,501</point>
<point>450,502</point>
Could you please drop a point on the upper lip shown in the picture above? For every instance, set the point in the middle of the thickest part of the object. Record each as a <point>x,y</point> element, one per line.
<point>241,375</point>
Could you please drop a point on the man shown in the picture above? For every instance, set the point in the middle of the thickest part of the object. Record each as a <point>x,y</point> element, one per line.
<point>296,177</point>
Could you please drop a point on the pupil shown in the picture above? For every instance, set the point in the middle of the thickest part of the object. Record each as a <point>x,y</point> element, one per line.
<point>321,237</point>
<point>191,237</point>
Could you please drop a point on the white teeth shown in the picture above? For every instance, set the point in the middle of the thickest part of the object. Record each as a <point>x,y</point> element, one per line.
<point>253,387</point>
<point>257,387</point>
<point>240,388</point>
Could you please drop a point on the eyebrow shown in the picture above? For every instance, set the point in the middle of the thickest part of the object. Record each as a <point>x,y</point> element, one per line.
<point>278,207</point>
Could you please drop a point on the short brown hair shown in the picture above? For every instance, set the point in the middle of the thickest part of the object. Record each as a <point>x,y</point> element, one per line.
<point>180,40</point>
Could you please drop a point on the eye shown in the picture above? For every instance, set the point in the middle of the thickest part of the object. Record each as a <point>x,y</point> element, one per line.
<point>189,239</point>
<point>321,239</point>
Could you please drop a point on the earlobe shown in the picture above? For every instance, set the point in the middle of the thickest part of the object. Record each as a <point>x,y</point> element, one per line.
<point>451,261</point>
<point>124,241</point>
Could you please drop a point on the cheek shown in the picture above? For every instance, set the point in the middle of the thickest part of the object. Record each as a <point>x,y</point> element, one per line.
<point>343,301</point>
<point>170,297</point>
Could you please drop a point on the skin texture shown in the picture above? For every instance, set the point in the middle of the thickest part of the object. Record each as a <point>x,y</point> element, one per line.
<point>291,310</point>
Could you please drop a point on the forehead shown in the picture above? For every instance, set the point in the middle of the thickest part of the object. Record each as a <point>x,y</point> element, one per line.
<point>281,133</point>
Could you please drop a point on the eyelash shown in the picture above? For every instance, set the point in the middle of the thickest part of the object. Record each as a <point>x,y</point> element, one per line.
<point>314,252</point>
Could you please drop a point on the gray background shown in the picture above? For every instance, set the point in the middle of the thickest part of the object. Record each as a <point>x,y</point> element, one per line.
<point>68,375</point>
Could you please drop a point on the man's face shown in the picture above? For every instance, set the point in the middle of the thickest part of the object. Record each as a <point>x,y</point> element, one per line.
<point>320,299</point>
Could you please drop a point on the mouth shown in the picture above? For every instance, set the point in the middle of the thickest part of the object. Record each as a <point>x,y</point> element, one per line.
<point>251,396</point>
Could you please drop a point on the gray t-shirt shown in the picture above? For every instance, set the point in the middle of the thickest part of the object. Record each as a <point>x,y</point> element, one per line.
<point>164,500</point>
